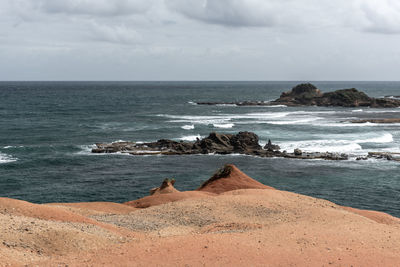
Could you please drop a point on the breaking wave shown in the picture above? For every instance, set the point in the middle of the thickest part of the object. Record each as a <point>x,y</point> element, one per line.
<point>224,126</point>
<point>188,127</point>
<point>190,138</point>
<point>4,158</point>
<point>334,145</point>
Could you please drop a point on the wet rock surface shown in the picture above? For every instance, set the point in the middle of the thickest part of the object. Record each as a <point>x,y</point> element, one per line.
<point>309,95</point>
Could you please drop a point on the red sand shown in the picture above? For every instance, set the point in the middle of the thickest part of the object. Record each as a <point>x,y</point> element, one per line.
<point>220,225</point>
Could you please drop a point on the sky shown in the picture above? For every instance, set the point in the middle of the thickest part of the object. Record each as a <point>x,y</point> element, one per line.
<point>200,40</point>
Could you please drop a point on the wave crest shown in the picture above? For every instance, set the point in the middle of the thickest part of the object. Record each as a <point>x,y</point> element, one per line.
<point>4,158</point>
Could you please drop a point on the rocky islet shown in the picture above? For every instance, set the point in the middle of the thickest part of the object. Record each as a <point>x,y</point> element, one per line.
<point>245,143</point>
<point>307,94</point>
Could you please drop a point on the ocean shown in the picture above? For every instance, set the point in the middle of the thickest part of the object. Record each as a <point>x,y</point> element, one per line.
<point>47,130</point>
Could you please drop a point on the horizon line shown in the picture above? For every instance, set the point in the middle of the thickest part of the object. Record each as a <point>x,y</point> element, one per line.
<point>199,80</point>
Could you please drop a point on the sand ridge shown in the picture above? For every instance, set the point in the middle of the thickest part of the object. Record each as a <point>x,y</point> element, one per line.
<point>257,226</point>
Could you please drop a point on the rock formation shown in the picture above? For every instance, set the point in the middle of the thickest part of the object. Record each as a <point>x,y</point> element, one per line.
<point>307,94</point>
<point>245,143</point>
<point>271,147</point>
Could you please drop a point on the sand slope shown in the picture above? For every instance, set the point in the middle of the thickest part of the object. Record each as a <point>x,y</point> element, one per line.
<point>255,227</point>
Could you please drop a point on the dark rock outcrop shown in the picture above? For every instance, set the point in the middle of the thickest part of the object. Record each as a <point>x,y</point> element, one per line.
<point>271,147</point>
<point>245,143</point>
<point>307,94</point>
<point>393,120</point>
<point>384,155</point>
<point>302,94</point>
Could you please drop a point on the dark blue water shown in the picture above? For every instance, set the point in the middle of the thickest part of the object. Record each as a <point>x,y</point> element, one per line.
<point>48,128</point>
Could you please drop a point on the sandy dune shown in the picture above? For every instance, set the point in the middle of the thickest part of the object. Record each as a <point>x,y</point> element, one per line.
<point>218,224</point>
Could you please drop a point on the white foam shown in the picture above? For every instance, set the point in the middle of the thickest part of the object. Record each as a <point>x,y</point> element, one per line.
<point>226,105</point>
<point>357,110</point>
<point>224,126</point>
<point>86,150</point>
<point>276,106</point>
<point>4,158</point>
<point>349,124</point>
<point>287,122</point>
<point>119,141</point>
<point>385,138</point>
<point>190,137</point>
<point>7,147</point>
<point>296,117</point>
<point>192,103</point>
<point>339,146</point>
<point>383,111</point>
<point>188,127</point>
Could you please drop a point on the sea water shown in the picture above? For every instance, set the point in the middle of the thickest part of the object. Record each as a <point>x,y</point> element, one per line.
<point>47,130</point>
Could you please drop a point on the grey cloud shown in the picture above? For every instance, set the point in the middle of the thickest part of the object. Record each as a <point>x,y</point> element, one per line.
<point>363,15</point>
<point>227,12</point>
<point>95,7</point>
<point>114,33</point>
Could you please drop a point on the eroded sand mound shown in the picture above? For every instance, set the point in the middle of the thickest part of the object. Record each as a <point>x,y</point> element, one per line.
<point>226,179</point>
<point>219,227</point>
<point>230,178</point>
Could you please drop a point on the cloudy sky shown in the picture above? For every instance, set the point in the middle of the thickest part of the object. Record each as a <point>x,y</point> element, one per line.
<point>199,40</point>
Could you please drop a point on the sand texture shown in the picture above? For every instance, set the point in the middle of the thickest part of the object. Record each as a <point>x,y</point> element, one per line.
<point>231,220</point>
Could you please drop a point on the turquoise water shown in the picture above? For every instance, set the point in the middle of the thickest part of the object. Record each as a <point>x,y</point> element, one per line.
<point>48,128</point>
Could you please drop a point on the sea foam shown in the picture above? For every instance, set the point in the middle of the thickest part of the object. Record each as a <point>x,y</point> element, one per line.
<point>188,127</point>
<point>190,138</point>
<point>224,126</point>
<point>4,158</point>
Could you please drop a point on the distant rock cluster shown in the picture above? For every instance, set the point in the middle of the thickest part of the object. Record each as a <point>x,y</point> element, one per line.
<point>307,94</point>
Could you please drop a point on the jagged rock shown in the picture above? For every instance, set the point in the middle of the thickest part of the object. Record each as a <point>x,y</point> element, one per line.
<point>271,147</point>
<point>243,142</point>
